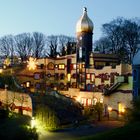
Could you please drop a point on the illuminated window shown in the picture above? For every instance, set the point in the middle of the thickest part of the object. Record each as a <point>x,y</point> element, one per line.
<point>69,77</point>
<point>61,66</point>
<point>50,66</point>
<point>27,84</point>
<point>101,100</point>
<point>74,66</point>
<point>88,76</point>
<point>121,108</point>
<point>89,102</point>
<point>83,101</point>
<point>92,78</point>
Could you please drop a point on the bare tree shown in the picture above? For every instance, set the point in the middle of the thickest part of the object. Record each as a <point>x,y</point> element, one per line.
<point>123,37</point>
<point>52,44</point>
<point>71,47</point>
<point>24,43</point>
<point>131,36</point>
<point>38,44</point>
<point>103,45</point>
<point>67,45</point>
<point>7,46</point>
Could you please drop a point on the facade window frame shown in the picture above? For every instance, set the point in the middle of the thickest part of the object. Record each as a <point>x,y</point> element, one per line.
<point>50,66</point>
<point>61,66</point>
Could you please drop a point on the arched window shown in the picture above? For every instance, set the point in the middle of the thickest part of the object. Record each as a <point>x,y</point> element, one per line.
<point>50,66</point>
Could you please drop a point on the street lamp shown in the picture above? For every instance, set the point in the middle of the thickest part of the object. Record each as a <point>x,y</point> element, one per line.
<point>33,122</point>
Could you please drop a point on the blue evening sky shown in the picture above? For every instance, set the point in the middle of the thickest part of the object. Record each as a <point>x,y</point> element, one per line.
<point>60,16</point>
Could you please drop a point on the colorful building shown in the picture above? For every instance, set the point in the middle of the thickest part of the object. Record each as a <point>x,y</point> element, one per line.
<point>86,76</point>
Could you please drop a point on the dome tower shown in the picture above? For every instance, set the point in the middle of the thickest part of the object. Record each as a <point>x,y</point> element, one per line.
<point>84,31</point>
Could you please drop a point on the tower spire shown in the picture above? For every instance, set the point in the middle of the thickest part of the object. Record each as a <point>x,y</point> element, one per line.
<point>84,24</point>
<point>85,9</point>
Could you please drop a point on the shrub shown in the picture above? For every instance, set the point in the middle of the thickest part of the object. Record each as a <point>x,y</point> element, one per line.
<point>133,114</point>
<point>25,133</point>
<point>3,114</point>
<point>98,110</point>
<point>46,117</point>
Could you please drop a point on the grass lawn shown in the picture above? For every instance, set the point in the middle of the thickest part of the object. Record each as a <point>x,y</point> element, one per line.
<point>130,131</point>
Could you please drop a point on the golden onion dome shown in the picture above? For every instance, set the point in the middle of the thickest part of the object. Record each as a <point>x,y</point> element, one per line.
<point>84,24</point>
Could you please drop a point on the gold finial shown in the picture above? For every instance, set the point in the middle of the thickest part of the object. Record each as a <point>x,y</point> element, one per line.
<point>84,9</point>
<point>84,24</point>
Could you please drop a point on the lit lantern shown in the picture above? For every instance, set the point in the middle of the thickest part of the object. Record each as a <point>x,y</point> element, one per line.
<point>33,122</point>
<point>109,108</point>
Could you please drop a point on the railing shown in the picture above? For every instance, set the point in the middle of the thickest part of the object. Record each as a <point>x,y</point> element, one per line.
<point>108,91</point>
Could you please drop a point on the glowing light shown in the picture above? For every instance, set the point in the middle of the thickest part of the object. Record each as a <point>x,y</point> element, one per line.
<point>32,63</point>
<point>101,100</point>
<point>69,77</point>
<point>74,66</point>
<point>1,70</point>
<point>109,108</point>
<point>4,66</point>
<point>27,84</point>
<point>123,110</point>
<point>33,122</point>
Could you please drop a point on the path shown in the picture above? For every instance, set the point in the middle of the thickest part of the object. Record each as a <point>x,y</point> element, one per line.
<point>84,130</point>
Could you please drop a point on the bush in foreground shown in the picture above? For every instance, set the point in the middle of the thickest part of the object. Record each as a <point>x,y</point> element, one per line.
<point>16,127</point>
